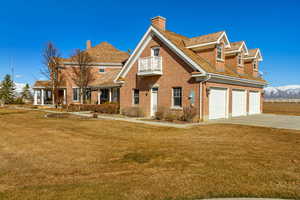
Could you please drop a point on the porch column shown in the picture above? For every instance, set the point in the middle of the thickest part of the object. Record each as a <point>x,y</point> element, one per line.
<point>65,96</point>
<point>43,97</point>
<point>35,97</point>
<point>110,96</point>
<point>99,96</point>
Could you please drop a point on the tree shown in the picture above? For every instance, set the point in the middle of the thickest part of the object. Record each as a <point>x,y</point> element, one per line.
<point>26,93</point>
<point>51,70</point>
<point>7,90</point>
<point>82,72</point>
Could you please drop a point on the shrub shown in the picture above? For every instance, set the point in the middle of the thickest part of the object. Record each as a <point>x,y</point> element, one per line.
<point>171,116</point>
<point>109,108</point>
<point>133,111</point>
<point>189,113</point>
<point>160,113</point>
<point>18,100</point>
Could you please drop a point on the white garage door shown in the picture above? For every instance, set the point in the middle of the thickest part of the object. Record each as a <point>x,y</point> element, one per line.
<point>239,103</point>
<point>254,103</point>
<point>217,103</point>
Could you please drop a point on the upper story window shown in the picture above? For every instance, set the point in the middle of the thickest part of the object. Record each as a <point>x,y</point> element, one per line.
<point>155,51</point>
<point>219,52</point>
<point>240,59</point>
<point>255,65</point>
<point>101,70</point>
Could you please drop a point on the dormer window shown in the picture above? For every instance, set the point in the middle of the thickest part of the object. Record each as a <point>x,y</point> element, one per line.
<point>155,51</point>
<point>240,59</point>
<point>255,64</point>
<point>101,70</point>
<point>219,52</point>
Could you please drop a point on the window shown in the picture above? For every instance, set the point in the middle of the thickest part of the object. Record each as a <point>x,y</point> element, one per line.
<point>136,96</point>
<point>75,94</point>
<point>155,51</point>
<point>219,52</point>
<point>101,70</point>
<point>177,97</point>
<point>240,59</point>
<point>255,64</point>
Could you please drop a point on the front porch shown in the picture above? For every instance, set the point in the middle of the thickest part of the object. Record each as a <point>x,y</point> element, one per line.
<point>44,96</point>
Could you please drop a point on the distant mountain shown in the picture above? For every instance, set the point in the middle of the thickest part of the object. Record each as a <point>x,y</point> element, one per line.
<point>283,92</point>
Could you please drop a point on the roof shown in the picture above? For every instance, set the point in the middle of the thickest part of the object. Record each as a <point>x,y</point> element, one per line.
<point>213,37</point>
<point>105,53</point>
<point>254,53</point>
<point>235,46</point>
<point>106,79</point>
<point>42,84</point>
<point>178,40</point>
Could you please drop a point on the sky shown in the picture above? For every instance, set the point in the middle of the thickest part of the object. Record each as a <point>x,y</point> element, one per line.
<point>27,25</point>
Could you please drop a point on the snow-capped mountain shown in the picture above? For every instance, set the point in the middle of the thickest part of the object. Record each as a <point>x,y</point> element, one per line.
<point>283,92</point>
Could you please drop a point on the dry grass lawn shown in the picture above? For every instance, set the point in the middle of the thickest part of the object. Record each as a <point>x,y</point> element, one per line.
<point>73,158</point>
<point>282,108</point>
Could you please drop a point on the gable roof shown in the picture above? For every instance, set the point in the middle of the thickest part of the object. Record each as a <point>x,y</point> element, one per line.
<point>253,54</point>
<point>237,47</point>
<point>105,53</point>
<point>204,40</point>
<point>107,79</point>
<point>177,43</point>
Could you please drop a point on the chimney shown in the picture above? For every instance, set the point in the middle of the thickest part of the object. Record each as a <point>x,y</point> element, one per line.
<point>159,22</point>
<point>88,44</point>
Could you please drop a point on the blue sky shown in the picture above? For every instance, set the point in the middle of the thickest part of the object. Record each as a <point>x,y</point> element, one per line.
<point>26,25</point>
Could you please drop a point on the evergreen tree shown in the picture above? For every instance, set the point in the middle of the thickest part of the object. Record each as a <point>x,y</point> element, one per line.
<point>7,89</point>
<point>26,94</point>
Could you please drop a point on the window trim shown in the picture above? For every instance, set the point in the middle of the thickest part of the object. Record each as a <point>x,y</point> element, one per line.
<point>153,49</point>
<point>133,97</point>
<point>78,95</point>
<point>181,98</point>
<point>220,47</point>
<point>240,58</point>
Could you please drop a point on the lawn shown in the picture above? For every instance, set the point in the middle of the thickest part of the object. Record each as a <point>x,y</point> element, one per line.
<point>282,108</point>
<point>78,158</point>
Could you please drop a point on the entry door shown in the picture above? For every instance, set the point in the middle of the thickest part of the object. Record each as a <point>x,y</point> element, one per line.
<point>239,103</point>
<point>254,103</point>
<point>217,103</point>
<point>154,95</point>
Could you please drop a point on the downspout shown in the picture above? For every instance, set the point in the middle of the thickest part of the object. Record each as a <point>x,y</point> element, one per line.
<point>201,96</point>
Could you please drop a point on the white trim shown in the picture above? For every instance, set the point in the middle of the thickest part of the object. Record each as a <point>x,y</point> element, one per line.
<point>240,49</point>
<point>96,63</point>
<point>230,78</point>
<point>141,46</point>
<point>257,54</point>
<point>218,41</point>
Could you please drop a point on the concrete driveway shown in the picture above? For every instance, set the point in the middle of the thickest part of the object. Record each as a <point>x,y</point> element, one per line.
<point>266,120</point>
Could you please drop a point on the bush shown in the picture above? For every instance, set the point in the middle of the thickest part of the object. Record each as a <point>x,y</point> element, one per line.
<point>160,113</point>
<point>18,100</point>
<point>189,113</point>
<point>133,111</point>
<point>109,108</point>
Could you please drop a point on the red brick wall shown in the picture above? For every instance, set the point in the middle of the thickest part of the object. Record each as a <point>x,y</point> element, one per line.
<point>249,67</point>
<point>175,74</point>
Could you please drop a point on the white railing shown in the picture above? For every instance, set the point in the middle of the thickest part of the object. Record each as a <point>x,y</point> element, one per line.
<point>150,65</point>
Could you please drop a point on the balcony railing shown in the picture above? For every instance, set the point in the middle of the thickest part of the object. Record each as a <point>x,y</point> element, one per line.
<point>150,66</point>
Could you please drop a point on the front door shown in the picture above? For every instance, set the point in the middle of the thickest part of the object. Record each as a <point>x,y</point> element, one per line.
<point>154,92</point>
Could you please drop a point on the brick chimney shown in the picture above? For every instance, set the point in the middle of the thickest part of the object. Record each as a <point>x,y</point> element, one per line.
<point>159,22</point>
<point>88,44</point>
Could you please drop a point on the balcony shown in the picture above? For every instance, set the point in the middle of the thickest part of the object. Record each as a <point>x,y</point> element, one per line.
<point>150,66</point>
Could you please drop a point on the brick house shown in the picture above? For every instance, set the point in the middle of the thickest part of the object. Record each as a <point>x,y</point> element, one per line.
<point>217,77</point>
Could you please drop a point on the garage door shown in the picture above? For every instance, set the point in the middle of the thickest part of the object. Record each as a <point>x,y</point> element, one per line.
<point>217,103</point>
<point>254,103</point>
<point>239,103</point>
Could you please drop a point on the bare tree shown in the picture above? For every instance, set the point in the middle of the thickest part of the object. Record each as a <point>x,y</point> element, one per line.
<point>51,70</point>
<point>82,72</point>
